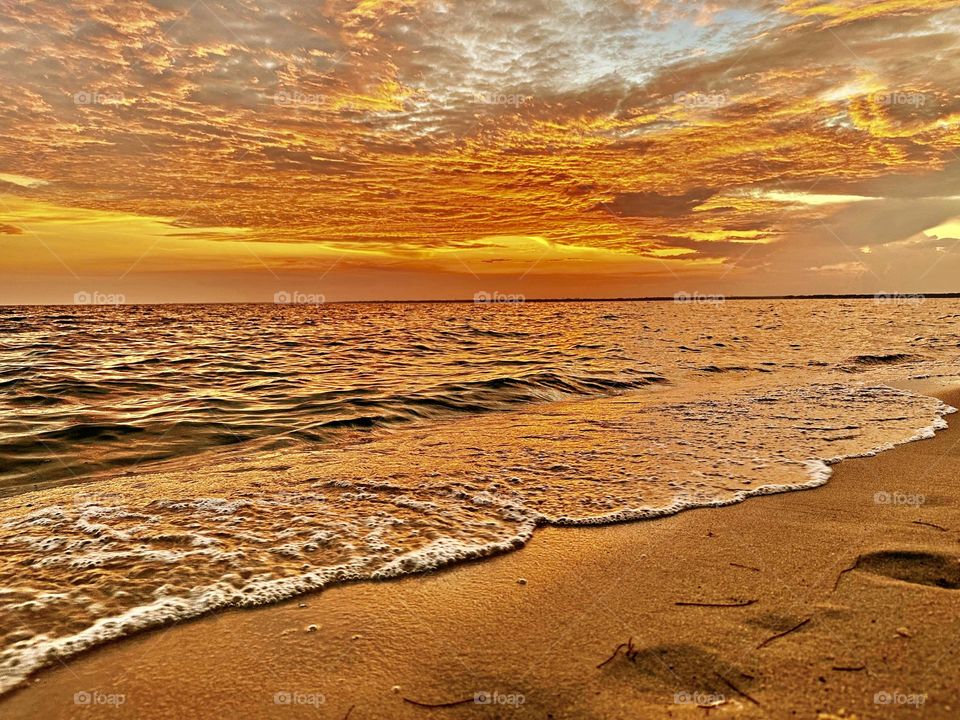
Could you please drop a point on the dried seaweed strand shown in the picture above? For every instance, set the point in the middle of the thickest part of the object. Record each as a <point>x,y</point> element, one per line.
<point>785,632</point>
<point>739,603</point>
<point>738,690</point>
<point>836,583</point>
<point>931,525</point>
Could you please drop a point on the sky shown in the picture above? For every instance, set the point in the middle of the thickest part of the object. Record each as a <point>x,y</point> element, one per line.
<point>250,150</point>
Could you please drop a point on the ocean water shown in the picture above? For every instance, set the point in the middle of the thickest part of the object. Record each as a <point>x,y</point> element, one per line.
<point>160,462</point>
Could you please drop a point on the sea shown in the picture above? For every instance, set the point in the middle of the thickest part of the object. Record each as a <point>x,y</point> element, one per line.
<point>161,462</point>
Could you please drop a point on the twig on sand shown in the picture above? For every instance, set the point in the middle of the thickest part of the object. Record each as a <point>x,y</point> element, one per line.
<point>931,525</point>
<point>737,603</point>
<point>454,703</point>
<point>630,652</point>
<point>349,713</point>
<point>850,668</point>
<point>785,632</point>
<point>737,690</point>
<point>836,583</point>
<point>745,567</point>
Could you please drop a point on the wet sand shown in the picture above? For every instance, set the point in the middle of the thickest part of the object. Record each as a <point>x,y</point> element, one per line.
<point>843,601</point>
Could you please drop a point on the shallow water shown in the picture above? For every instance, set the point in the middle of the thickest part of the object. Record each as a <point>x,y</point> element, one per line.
<point>481,423</point>
<point>86,389</point>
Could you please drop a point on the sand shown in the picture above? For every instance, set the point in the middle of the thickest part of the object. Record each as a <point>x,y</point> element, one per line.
<point>861,575</point>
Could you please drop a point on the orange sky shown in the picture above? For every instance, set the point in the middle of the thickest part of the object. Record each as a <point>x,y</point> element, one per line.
<point>405,149</point>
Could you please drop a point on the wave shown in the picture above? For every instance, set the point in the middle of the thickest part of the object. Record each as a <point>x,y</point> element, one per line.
<point>859,362</point>
<point>719,370</point>
<point>76,445</point>
<point>480,396</point>
<point>132,553</point>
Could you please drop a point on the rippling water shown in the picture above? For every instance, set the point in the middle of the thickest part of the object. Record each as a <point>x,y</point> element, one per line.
<point>91,389</point>
<point>373,440</point>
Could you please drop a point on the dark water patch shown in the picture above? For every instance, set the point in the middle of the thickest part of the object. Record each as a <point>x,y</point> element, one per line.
<point>84,431</point>
<point>881,359</point>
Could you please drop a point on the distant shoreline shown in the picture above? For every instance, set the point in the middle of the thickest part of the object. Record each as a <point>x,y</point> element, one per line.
<point>888,296</point>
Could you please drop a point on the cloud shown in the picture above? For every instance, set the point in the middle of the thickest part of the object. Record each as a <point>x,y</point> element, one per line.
<point>653,204</point>
<point>847,268</point>
<point>22,180</point>
<point>643,128</point>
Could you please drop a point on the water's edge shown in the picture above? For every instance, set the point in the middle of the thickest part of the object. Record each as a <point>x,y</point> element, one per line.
<point>438,554</point>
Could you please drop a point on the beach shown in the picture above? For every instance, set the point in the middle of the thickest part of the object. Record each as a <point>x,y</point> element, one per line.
<point>835,602</point>
<point>402,359</point>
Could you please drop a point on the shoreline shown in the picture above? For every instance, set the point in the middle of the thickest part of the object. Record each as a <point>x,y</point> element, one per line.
<point>437,635</point>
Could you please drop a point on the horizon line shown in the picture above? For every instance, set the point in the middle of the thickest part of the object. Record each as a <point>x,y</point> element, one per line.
<point>692,298</point>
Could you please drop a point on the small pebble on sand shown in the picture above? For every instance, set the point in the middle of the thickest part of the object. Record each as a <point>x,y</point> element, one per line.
<point>521,581</point>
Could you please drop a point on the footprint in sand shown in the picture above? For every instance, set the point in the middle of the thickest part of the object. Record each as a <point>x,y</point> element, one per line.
<point>923,568</point>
